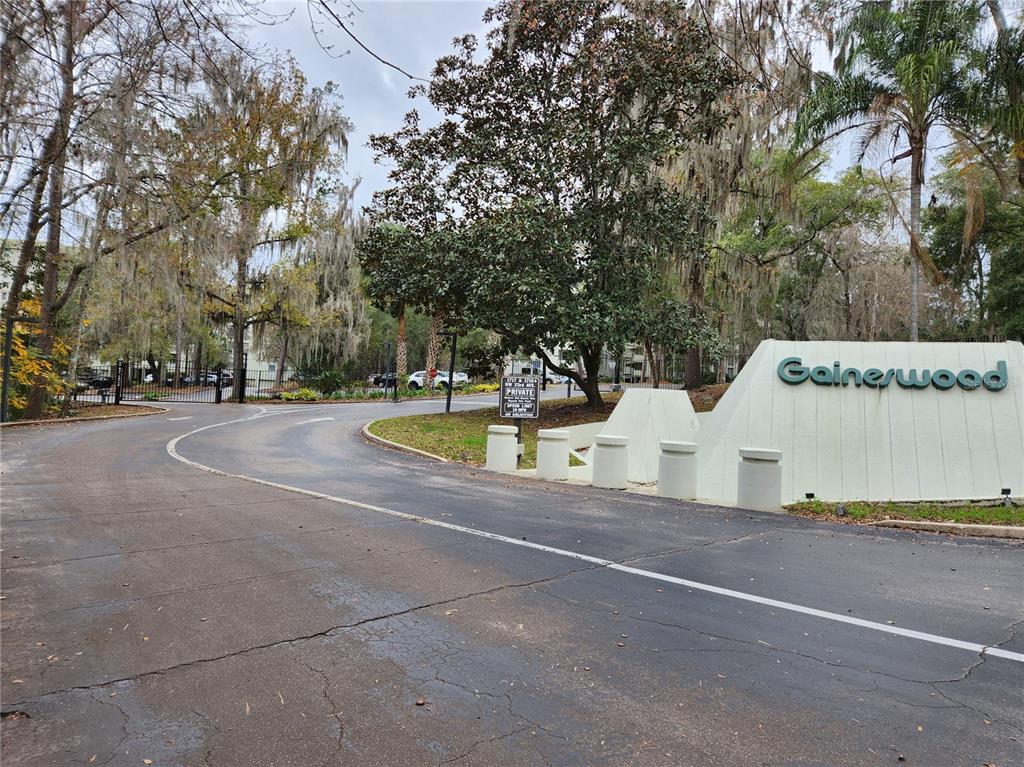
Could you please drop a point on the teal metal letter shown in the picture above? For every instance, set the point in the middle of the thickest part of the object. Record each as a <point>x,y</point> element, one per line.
<point>822,375</point>
<point>911,380</point>
<point>872,376</point>
<point>943,379</point>
<point>969,379</point>
<point>855,374</point>
<point>791,371</point>
<point>997,379</point>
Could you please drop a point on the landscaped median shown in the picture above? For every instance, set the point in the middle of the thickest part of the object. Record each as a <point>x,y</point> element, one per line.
<point>88,411</point>
<point>463,436</point>
<point>307,395</point>
<point>949,516</point>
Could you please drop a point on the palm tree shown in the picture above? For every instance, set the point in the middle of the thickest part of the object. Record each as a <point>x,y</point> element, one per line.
<point>903,69</point>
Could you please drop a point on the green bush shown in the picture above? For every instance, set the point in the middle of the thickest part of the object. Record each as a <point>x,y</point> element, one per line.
<point>303,394</point>
<point>329,381</point>
<point>151,396</point>
<point>480,388</point>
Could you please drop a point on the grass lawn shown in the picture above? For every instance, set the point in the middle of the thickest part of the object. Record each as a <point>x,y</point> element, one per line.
<point>463,436</point>
<point>862,511</point>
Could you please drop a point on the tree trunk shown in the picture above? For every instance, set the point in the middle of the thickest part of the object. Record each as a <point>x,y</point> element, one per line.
<point>33,225</point>
<point>586,378</point>
<point>279,373</point>
<point>591,383</point>
<point>401,349</point>
<point>177,347</point>
<point>38,393</point>
<point>692,368</point>
<point>434,342</point>
<point>692,363</point>
<point>76,344</point>
<point>238,329</point>
<point>652,361</point>
<point>720,369</point>
<point>916,182</point>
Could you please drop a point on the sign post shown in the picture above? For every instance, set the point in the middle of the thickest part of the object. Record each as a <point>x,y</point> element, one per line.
<point>451,372</point>
<point>519,398</point>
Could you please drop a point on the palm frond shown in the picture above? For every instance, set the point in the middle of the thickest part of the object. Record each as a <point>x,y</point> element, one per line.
<point>833,102</point>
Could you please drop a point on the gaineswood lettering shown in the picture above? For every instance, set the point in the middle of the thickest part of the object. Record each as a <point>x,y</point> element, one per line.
<point>792,371</point>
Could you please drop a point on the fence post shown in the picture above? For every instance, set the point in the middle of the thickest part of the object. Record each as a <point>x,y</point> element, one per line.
<point>217,394</point>
<point>241,385</point>
<point>119,382</point>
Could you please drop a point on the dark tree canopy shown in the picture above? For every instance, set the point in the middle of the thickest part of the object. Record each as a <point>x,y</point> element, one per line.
<point>549,151</point>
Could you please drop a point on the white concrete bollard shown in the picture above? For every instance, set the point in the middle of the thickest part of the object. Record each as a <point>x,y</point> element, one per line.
<point>677,470</point>
<point>553,454</point>
<point>759,479</point>
<point>610,465</point>
<point>502,448</point>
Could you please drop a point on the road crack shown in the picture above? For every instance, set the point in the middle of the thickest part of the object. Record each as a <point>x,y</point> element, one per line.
<point>305,637</point>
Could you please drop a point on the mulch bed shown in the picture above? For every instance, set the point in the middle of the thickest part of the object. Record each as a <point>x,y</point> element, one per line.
<point>88,411</point>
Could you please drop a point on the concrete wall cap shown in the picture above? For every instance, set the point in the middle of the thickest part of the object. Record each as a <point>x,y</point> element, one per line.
<point>674,446</point>
<point>760,454</point>
<point>502,430</point>
<point>611,440</point>
<point>557,434</point>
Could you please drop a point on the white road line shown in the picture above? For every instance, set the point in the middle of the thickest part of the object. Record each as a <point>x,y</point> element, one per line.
<point>315,420</point>
<point>181,418</point>
<point>884,628</point>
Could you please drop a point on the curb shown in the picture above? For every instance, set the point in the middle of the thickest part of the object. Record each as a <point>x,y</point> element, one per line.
<point>152,410</point>
<point>993,531</point>
<point>397,446</point>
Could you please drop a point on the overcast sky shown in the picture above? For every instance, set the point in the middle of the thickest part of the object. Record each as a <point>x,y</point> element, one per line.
<point>412,34</point>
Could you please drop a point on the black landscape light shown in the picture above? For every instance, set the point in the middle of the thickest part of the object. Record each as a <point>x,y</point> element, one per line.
<point>1006,496</point>
<point>809,496</point>
<point>840,510</point>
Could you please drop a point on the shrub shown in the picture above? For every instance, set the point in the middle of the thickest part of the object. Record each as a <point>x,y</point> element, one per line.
<point>151,396</point>
<point>305,394</point>
<point>329,381</point>
<point>481,388</point>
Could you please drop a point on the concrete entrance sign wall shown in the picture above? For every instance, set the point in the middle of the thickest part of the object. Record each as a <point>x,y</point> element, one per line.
<point>921,424</point>
<point>648,416</point>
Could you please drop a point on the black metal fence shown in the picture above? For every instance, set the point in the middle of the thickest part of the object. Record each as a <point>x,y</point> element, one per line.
<point>130,381</point>
<point>138,381</point>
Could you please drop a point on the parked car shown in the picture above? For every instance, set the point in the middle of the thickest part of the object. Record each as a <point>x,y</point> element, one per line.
<point>382,379</point>
<point>418,379</point>
<point>554,378</point>
<point>93,381</point>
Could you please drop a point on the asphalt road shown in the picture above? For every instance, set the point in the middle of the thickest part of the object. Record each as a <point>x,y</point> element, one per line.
<point>156,611</point>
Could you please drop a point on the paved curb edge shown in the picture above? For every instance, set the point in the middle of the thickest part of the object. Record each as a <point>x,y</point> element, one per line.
<point>992,531</point>
<point>370,437</point>
<point>149,410</point>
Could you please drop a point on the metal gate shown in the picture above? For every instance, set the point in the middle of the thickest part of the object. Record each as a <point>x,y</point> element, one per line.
<point>133,381</point>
